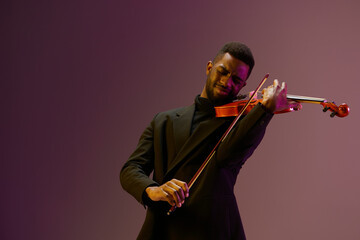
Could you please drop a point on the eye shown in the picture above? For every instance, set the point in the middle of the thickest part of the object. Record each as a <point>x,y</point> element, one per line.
<point>239,81</point>
<point>222,72</point>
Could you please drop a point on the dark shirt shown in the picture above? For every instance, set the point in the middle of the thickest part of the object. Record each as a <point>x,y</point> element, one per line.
<point>204,110</point>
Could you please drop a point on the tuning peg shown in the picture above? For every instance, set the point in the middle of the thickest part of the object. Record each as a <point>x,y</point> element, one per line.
<point>333,114</point>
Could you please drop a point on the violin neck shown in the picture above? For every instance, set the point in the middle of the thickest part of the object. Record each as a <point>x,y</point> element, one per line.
<point>305,99</point>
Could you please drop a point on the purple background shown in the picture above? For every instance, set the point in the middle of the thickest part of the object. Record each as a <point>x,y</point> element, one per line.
<point>80,80</point>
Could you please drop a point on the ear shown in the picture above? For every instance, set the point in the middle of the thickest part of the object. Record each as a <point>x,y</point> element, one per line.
<point>209,67</point>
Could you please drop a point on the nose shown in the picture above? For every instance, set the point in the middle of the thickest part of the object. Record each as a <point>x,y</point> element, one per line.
<point>225,80</point>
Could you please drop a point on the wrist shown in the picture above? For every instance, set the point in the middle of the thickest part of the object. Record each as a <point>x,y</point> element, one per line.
<point>149,190</point>
<point>267,106</point>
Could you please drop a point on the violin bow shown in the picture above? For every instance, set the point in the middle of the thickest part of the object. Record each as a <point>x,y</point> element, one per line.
<point>207,160</point>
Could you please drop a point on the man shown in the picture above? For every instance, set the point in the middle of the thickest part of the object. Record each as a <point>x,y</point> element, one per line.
<point>178,141</point>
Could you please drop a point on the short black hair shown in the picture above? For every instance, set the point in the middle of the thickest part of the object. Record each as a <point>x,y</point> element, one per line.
<point>238,50</point>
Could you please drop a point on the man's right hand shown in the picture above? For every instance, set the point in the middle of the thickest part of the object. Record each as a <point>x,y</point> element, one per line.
<point>174,192</point>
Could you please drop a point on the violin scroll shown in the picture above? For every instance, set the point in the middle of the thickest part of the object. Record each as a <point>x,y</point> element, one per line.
<point>340,111</point>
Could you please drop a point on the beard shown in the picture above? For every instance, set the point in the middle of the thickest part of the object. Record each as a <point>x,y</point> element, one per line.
<point>218,99</point>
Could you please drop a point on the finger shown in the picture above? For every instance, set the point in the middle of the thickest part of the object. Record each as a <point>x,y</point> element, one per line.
<point>183,185</point>
<point>284,86</point>
<point>173,197</point>
<point>179,190</point>
<point>276,83</point>
<point>266,90</point>
<point>168,195</point>
<point>283,91</point>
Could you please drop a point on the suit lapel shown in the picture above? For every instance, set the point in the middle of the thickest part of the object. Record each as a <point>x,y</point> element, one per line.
<point>182,126</point>
<point>204,129</point>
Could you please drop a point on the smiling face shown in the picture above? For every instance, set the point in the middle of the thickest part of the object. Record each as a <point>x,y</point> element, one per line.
<point>225,78</point>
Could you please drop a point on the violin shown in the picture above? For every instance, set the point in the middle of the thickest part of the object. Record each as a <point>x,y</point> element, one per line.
<point>239,108</point>
<point>234,108</point>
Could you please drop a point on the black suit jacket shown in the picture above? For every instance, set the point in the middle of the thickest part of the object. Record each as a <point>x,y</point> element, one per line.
<point>167,148</point>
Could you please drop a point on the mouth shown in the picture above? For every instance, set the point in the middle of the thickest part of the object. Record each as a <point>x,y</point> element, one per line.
<point>222,90</point>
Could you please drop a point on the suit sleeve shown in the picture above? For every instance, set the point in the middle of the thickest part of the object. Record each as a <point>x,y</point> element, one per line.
<point>244,137</point>
<point>134,176</point>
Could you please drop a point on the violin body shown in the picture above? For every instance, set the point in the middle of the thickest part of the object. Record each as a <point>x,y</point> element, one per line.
<point>233,109</point>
